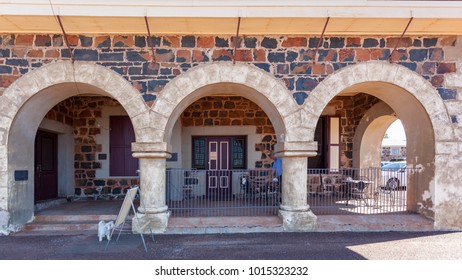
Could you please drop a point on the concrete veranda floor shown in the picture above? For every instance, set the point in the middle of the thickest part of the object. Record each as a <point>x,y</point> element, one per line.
<point>93,211</point>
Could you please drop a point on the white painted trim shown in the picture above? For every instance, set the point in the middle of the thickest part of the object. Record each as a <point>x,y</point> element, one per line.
<point>235,8</point>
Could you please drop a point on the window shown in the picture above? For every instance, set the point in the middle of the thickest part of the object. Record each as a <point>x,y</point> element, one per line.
<point>121,136</point>
<point>238,150</point>
<point>198,154</point>
<point>394,151</point>
<point>236,146</point>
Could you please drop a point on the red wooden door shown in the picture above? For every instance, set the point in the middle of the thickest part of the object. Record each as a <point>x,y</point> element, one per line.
<point>46,166</point>
<point>219,169</point>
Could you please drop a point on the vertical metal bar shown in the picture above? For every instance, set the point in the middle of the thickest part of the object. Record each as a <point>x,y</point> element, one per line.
<point>399,41</point>
<point>153,55</point>
<point>65,39</point>
<point>320,40</point>
<point>236,39</point>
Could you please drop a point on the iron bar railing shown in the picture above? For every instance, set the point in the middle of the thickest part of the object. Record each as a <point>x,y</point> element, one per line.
<point>362,191</point>
<point>208,193</point>
<point>199,193</point>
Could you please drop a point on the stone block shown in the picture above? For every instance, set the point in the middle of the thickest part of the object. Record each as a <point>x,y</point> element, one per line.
<point>238,74</point>
<point>405,42</point>
<point>298,221</point>
<point>188,41</point>
<point>103,42</point>
<point>374,70</point>
<point>85,55</point>
<point>264,66</point>
<point>418,54</point>
<point>205,42</point>
<point>409,65</point>
<point>164,55</point>
<point>301,68</point>
<point>450,148</point>
<point>300,97</point>
<point>17,62</point>
<point>370,43</point>
<point>5,69</point>
<point>327,55</point>
<point>86,41</point>
<point>138,56</point>
<point>111,57</point>
<point>136,106</point>
<point>447,94</point>
<point>244,55</point>
<point>24,40</point>
<point>269,43</point>
<point>7,107</point>
<point>353,42</point>
<point>221,42</point>
<point>337,42</point>
<point>430,42</point>
<point>250,42</point>
<point>444,68</point>
<point>156,85</point>
<point>276,57</point>
<point>222,55</point>
<point>291,42</point>
<point>42,40</point>
<point>157,222</point>
<point>346,55</point>
<point>283,69</point>
<point>436,54</point>
<point>305,84</point>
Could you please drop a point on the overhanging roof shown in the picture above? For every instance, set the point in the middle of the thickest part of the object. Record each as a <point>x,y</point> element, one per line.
<point>292,17</point>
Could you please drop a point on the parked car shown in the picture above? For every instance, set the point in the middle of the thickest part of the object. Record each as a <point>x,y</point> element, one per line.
<point>394,175</point>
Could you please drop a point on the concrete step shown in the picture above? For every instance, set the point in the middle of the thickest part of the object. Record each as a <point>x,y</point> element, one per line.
<point>74,218</point>
<point>61,226</point>
<point>66,224</point>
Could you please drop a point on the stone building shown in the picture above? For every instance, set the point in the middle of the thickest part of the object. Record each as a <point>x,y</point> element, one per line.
<point>96,103</point>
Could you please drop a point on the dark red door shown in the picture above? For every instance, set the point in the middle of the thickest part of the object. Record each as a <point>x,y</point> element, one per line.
<point>219,169</point>
<point>46,166</point>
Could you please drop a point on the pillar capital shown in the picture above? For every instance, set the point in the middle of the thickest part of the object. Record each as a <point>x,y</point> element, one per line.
<point>150,150</point>
<point>296,149</point>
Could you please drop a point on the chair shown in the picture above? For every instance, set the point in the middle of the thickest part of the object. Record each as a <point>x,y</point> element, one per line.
<point>122,217</point>
<point>358,189</point>
<point>259,181</point>
<point>190,183</point>
<point>314,185</point>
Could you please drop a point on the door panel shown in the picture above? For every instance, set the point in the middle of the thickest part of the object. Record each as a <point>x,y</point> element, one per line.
<point>219,174</point>
<point>46,166</point>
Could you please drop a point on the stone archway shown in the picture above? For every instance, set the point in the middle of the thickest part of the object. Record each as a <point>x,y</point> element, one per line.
<point>246,80</point>
<point>430,137</point>
<point>26,102</point>
<point>368,137</point>
<point>290,123</point>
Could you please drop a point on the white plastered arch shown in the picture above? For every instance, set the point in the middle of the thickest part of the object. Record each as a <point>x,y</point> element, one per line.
<point>228,78</point>
<point>416,102</point>
<point>25,103</point>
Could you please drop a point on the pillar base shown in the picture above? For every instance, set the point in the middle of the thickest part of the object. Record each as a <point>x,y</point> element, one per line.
<point>300,221</point>
<point>157,222</point>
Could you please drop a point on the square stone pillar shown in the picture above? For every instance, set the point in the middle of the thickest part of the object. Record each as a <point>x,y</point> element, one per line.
<point>153,211</point>
<point>295,212</point>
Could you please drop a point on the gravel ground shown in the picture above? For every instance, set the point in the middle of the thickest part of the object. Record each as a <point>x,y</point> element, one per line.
<point>255,246</point>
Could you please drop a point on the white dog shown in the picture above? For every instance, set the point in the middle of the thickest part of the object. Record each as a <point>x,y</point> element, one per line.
<point>104,229</point>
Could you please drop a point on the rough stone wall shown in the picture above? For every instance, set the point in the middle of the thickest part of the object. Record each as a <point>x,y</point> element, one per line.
<point>288,58</point>
<point>81,113</point>
<point>350,109</point>
<point>233,110</point>
<point>387,156</point>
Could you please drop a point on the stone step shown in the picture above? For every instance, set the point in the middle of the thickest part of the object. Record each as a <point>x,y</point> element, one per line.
<point>67,224</point>
<point>61,226</point>
<point>74,218</point>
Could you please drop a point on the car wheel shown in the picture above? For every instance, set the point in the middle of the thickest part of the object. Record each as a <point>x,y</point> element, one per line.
<point>393,184</point>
